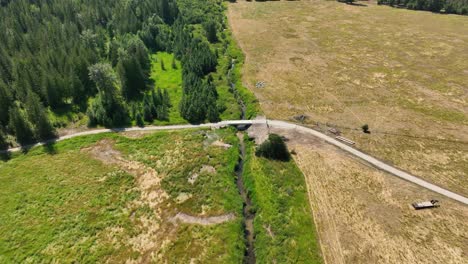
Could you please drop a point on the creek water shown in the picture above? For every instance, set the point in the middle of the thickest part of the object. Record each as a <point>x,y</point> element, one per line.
<point>247,212</point>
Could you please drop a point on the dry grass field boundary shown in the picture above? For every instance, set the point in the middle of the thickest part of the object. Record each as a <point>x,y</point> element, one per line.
<point>402,72</point>
<point>365,216</point>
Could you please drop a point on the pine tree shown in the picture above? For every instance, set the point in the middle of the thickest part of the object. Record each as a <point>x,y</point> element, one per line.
<point>132,78</point>
<point>211,30</point>
<point>20,126</point>
<point>147,112</point>
<point>36,113</point>
<point>5,102</point>
<point>3,140</point>
<point>213,114</point>
<point>139,120</point>
<point>161,62</point>
<point>174,64</point>
<point>167,99</point>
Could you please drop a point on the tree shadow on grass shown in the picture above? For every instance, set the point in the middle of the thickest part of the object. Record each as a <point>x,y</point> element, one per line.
<point>50,148</point>
<point>354,3</point>
<point>357,4</point>
<point>5,156</point>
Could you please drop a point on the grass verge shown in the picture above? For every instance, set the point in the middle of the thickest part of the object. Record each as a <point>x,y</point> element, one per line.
<point>284,227</point>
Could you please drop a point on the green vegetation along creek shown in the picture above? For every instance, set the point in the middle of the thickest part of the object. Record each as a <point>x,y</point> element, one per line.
<point>120,199</point>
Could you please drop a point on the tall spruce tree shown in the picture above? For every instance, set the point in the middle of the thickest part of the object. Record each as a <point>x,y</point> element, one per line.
<point>37,115</point>
<point>3,139</point>
<point>20,126</point>
<point>5,103</point>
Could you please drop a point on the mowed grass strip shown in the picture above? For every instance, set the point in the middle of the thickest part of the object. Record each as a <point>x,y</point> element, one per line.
<point>284,228</point>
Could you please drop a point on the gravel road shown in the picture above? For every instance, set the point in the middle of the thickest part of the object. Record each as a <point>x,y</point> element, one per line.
<point>285,125</point>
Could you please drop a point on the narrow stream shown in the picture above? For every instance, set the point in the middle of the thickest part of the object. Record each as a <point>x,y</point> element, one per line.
<point>235,91</point>
<point>248,214</point>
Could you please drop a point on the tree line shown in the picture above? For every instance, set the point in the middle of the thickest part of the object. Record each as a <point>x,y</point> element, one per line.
<point>92,57</point>
<point>440,6</point>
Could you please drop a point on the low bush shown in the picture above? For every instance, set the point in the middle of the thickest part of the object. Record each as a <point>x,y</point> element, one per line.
<point>273,148</point>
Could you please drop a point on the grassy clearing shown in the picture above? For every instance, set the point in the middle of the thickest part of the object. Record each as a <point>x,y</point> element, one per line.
<point>351,65</point>
<point>284,227</point>
<point>171,79</point>
<point>58,203</point>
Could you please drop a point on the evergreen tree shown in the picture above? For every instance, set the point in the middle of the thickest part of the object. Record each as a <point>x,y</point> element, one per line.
<point>37,115</point>
<point>139,120</point>
<point>3,140</point>
<point>174,64</point>
<point>5,102</point>
<point>211,31</point>
<point>167,99</point>
<point>132,78</point>
<point>108,108</point>
<point>20,126</point>
<point>147,112</point>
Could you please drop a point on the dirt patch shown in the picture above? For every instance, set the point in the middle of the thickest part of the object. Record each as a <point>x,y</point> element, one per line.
<point>193,178</point>
<point>208,169</point>
<point>137,134</point>
<point>205,169</point>
<point>182,197</point>
<point>208,220</point>
<point>221,144</point>
<point>259,132</point>
<point>151,194</point>
<point>364,215</point>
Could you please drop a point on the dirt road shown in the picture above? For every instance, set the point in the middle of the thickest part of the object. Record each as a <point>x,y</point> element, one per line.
<point>285,125</point>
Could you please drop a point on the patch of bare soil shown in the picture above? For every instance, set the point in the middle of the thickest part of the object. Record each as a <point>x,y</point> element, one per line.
<point>364,215</point>
<point>149,240</point>
<point>137,134</point>
<point>259,132</point>
<point>221,144</point>
<point>205,169</point>
<point>207,220</point>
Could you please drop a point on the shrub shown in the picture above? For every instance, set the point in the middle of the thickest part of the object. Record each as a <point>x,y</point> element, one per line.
<point>273,148</point>
<point>365,129</point>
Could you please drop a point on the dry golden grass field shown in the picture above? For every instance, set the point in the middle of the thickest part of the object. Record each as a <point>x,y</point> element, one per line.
<point>364,215</point>
<point>403,72</point>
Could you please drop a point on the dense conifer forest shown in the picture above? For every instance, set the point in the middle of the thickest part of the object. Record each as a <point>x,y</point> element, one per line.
<point>93,57</point>
<point>445,6</point>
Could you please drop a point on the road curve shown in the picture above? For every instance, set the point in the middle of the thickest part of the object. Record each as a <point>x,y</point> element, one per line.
<point>280,124</point>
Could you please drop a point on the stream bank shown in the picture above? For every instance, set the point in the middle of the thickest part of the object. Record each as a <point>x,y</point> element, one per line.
<point>247,212</point>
